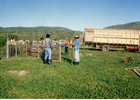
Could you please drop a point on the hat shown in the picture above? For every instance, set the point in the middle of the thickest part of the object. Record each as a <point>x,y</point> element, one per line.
<point>76,36</point>
<point>66,39</point>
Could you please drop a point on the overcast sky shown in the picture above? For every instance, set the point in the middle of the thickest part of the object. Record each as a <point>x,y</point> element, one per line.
<point>72,14</point>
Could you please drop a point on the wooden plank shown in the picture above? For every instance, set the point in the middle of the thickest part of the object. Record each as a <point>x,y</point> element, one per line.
<point>55,54</point>
<point>133,67</point>
<point>16,49</point>
<point>23,49</point>
<point>109,37</point>
<point>55,51</point>
<point>126,37</point>
<point>26,48</point>
<point>55,58</point>
<point>7,48</point>
<point>130,40</point>
<point>136,72</point>
<point>19,48</point>
<point>100,37</point>
<point>38,52</point>
<point>134,37</point>
<point>60,53</point>
<point>117,39</point>
<point>121,38</point>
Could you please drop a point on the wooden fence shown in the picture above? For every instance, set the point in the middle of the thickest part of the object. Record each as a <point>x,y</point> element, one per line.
<point>14,50</point>
<point>39,52</point>
<point>56,53</point>
<point>36,50</point>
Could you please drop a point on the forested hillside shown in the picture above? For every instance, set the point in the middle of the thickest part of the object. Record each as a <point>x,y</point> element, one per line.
<point>133,25</point>
<point>22,29</point>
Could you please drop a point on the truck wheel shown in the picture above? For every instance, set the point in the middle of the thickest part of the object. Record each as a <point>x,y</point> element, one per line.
<point>105,48</point>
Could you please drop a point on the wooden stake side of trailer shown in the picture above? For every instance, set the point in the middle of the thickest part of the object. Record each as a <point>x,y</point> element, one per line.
<point>112,36</point>
<point>120,37</point>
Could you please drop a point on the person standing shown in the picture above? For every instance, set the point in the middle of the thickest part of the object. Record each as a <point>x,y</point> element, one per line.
<point>43,42</point>
<point>48,48</point>
<point>76,50</point>
<point>66,46</point>
<point>70,42</point>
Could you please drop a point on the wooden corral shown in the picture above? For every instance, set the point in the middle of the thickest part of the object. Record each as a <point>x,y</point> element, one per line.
<point>39,52</point>
<point>36,50</point>
<point>56,53</point>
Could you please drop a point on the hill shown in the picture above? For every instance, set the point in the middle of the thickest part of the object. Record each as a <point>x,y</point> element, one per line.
<point>22,29</point>
<point>132,25</point>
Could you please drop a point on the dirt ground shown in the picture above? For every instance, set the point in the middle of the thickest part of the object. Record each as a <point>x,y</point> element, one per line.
<point>20,73</point>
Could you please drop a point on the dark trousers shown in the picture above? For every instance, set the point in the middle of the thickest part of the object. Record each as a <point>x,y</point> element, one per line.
<point>66,50</point>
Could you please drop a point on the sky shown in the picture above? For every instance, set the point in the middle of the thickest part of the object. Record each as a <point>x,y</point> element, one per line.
<point>72,14</point>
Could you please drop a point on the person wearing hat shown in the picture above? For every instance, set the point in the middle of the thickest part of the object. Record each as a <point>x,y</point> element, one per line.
<point>48,48</point>
<point>76,50</point>
<point>66,46</point>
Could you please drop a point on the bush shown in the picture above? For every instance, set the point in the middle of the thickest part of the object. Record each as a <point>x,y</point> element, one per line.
<point>3,39</point>
<point>12,36</point>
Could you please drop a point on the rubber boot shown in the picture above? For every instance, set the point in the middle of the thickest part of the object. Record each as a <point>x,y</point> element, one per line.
<point>50,62</point>
<point>45,61</point>
<point>75,63</point>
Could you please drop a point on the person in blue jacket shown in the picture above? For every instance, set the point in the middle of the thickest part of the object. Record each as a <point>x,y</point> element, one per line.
<point>76,50</point>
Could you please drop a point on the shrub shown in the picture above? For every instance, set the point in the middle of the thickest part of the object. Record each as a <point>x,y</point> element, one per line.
<point>3,39</point>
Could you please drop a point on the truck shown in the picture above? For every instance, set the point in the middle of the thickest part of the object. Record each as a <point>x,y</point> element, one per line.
<point>106,38</point>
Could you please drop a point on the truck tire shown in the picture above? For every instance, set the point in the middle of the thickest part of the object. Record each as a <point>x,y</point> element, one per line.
<point>105,48</point>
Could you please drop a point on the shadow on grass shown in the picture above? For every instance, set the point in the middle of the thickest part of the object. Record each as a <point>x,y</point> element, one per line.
<point>90,49</point>
<point>62,53</point>
<point>67,60</point>
<point>42,56</point>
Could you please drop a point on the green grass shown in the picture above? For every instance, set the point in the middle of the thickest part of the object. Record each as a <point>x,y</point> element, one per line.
<point>101,75</point>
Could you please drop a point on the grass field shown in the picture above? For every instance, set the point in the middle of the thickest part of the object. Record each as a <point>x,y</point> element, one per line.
<point>99,75</point>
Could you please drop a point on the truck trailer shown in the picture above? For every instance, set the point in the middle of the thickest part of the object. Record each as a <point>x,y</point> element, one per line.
<point>106,38</point>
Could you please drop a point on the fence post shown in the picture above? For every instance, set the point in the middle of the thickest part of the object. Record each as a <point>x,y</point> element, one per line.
<point>19,48</point>
<point>7,48</point>
<point>23,48</point>
<point>72,55</point>
<point>60,53</point>
<point>9,51</point>
<point>26,48</point>
<point>33,43</point>
<point>38,51</point>
<point>16,49</point>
